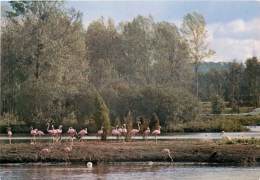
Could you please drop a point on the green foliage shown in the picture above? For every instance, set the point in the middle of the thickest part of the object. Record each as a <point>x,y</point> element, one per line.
<point>129,124</point>
<point>101,116</point>
<point>155,122</point>
<point>217,105</point>
<point>144,123</point>
<point>70,120</point>
<point>210,125</point>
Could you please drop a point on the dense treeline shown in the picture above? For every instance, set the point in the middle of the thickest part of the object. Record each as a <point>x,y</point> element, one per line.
<point>54,70</point>
<point>237,83</point>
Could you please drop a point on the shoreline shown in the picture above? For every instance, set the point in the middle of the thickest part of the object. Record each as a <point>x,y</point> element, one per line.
<point>182,151</point>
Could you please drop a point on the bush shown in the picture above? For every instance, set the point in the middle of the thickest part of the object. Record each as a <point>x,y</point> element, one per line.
<point>101,116</point>
<point>155,122</point>
<point>217,105</point>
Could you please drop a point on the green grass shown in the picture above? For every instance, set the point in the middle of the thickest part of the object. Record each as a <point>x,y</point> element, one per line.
<point>215,123</point>
<point>206,108</point>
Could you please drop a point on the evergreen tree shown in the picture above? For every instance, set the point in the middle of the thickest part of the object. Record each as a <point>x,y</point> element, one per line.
<point>217,105</point>
<point>102,116</point>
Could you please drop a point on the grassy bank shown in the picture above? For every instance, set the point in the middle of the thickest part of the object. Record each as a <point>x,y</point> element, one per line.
<point>182,151</point>
<point>216,123</point>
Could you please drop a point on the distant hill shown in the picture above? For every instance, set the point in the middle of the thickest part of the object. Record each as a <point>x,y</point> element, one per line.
<point>206,66</point>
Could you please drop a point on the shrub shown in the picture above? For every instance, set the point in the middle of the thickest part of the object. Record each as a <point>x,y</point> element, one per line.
<point>155,122</point>
<point>217,105</point>
<point>101,116</point>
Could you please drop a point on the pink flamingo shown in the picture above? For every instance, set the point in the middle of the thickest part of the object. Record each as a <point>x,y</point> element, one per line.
<point>72,132</point>
<point>100,132</point>
<point>124,130</point>
<point>52,131</point>
<point>146,133</point>
<point>44,152</point>
<point>116,132</point>
<point>40,133</point>
<point>59,132</point>
<point>156,133</point>
<point>10,134</point>
<point>68,150</point>
<point>34,134</point>
<point>120,129</point>
<point>82,133</point>
<point>134,132</point>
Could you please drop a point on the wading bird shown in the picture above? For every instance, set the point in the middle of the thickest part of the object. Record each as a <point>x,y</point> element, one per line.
<point>44,152</point>
<point>72,133</point>
<point>156,133</point>
<point>146,133</point>
<point>33,134</point>
<point>82,133</point>
<point>68,150</point>
<point>168,153</point>
<point>100,132</point>
<point>10,134</point>
<point>52,131</point>
<point>124,130</point>
<point>59,133</point>
<point>134,132</point>
<point>40,133</point>
<point>116,132</point>
<point>225,137</point>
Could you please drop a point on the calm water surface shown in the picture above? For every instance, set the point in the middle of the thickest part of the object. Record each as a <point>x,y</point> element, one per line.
<point>127,171</point>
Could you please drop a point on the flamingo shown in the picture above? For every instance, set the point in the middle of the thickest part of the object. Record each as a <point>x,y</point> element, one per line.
<point>134,132</point>
<point>168,152</point>
<point>225,137</point>
<point>34,134</point>
<point>116,132</point>
<point>120,129</point>
<point>44,152</point>
<point>9,133</point>
<point>59,132</point>
<point>124,130</point>
<point>40,133</point>
<point>156,133</point>
<point>72,132</point>
<point>68,150</point>
<point>52,131</point>
<point>82,133</point>
<point>146,133</point>
<point>100,132</point>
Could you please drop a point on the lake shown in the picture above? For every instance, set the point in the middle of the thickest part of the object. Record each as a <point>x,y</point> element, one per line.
<point>125,171</point>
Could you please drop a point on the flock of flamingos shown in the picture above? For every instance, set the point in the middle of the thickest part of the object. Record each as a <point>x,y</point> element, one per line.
<point>56,135</point>
<point>72,133</point>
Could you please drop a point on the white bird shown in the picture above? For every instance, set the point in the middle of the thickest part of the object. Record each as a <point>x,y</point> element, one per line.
<point>89,164</point>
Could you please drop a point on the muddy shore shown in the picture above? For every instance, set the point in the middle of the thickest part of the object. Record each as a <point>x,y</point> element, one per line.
<point>98,152</point>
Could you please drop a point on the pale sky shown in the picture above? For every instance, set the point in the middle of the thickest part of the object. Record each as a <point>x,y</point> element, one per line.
<point>233,27</point>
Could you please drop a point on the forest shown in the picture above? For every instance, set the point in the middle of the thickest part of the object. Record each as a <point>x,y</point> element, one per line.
<point>53,69</point>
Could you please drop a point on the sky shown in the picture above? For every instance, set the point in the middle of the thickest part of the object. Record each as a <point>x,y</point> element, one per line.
<point>233,27</point>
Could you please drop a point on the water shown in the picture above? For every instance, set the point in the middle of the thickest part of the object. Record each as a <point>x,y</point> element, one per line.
<point>253,133</point>
<point>125,171</point>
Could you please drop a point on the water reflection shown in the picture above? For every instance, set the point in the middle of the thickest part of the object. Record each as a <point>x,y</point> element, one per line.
<point>127,171</point>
